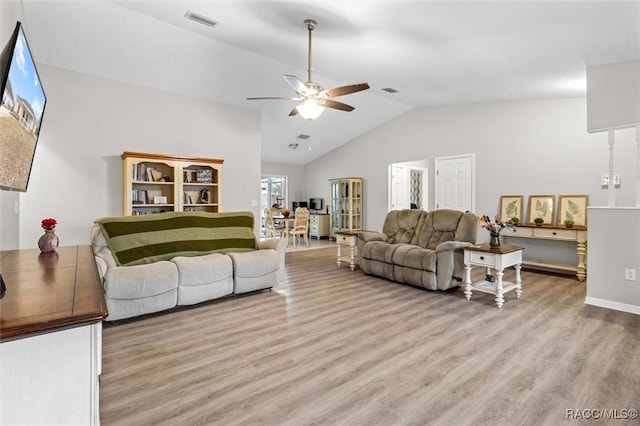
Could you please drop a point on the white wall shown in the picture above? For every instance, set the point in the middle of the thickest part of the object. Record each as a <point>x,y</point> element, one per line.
<point>89,122</point>
<point>614,246</point>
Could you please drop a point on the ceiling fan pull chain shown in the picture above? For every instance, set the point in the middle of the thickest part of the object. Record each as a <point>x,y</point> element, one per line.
<point>310,132</point>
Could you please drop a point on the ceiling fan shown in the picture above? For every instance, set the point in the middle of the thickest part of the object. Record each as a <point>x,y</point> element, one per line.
<point>314,99</point>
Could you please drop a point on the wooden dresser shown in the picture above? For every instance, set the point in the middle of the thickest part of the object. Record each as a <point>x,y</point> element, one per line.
<point>50,337</point>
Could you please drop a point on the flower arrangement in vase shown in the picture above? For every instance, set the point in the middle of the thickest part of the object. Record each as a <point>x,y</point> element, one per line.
<point>49,241</point>
<point>495,227</point>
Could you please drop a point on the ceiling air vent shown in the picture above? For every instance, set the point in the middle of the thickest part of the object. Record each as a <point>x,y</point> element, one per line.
<point>201,19</point>
<point>303,136</point>
<point>390,90</point>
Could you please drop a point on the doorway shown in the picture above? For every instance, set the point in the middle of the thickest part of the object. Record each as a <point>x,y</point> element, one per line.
<point>273,192</point>
<point>408,185</point>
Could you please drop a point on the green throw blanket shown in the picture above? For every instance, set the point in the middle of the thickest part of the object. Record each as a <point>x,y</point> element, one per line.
<point>135,240</point>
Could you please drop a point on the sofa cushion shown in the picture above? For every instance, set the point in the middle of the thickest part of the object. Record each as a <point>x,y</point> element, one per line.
<point>380,251</point>
<point>439,226</point>
<point>203,278</point>
<point>140,281</point>
<point>415,257</point>
<point>400,225</point>
<point>255,270</point>
<point>136,240</point>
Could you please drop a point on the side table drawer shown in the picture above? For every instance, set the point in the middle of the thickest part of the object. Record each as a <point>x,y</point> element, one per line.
<point>346,240</point>
<point>486,259</point>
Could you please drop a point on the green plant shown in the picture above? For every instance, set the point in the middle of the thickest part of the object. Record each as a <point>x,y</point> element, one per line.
<point>538,221</point>
<point>515,220</point>
<point>568,223</point>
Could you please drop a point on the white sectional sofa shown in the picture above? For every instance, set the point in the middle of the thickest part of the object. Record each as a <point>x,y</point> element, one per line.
<point>151,263</point>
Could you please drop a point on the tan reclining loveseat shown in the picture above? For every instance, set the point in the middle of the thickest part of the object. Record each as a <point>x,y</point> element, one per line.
<point>419,248</point>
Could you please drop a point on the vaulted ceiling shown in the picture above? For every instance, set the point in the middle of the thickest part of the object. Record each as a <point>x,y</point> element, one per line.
<point>432,52</point>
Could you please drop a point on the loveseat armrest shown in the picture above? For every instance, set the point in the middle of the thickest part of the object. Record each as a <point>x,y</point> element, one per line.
<point>450,263</point>
<point>366,236</point>
<point>451,245</point>
<point>280,246</point>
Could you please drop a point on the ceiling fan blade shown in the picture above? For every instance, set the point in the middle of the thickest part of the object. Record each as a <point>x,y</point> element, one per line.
<point>329,103</point>
<point>294,111</point>
<point>284,98</point>
<point>345,90</point>
<point>295,82</point>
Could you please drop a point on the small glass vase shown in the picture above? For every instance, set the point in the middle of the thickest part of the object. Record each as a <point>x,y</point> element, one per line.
<point>49,241</point>
<point>495,240</point>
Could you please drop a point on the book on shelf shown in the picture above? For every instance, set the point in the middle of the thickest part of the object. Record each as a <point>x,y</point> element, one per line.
<point>143,173</point>
<point>139,196</point>
<point>189,176</point>
<point>187,199</point>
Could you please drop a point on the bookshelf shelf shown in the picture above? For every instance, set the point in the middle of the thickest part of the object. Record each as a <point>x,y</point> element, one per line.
<point>176,183</point>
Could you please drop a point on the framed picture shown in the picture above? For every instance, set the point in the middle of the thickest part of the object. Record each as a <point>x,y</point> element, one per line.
<point>511,206</point>
<point>541,206</point>
<point>573,207</point>
<point>204,176</point>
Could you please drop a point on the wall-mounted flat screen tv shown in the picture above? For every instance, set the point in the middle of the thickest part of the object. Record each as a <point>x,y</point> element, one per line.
<point>21,111</point>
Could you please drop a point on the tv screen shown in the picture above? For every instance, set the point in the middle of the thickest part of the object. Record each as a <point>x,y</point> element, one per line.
<point>21,111</point>
<point>315,203</point>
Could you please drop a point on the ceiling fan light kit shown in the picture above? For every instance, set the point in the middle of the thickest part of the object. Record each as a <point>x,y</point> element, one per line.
<point>309,109</point>
<point>313,96</point>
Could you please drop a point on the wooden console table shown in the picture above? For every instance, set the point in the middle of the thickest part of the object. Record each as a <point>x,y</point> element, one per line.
<point>578,234</point>
<point>50,337</point>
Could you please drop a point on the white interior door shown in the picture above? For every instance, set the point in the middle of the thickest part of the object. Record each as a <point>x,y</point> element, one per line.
<point>400,187</point>
<point>455,182</point>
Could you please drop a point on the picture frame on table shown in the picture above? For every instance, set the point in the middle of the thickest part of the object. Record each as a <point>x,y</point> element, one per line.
<point>511,206</point>
<point>541,206</point>
<point>573,207</point>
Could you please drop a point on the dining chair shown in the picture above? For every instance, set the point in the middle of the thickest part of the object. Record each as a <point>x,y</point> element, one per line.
<point>300,226</point>
<point>271,229</point>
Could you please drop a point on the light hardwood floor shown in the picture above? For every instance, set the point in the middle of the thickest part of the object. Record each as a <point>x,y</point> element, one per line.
<point>335,347</point>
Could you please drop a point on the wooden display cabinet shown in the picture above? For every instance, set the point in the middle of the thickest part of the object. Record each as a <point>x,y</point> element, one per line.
<point>346,205</point>
<point>156,183</point>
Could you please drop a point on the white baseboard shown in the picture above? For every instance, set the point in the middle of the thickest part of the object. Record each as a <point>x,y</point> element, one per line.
<point>610,304</point>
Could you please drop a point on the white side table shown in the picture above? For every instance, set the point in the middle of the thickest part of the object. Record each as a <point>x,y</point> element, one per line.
<point>497,259</point>
<point>347,239</point>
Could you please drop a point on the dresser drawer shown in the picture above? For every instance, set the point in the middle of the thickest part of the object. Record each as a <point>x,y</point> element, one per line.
<point>518,232</point>
<point>557,234</point>
<point>486,259</point>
